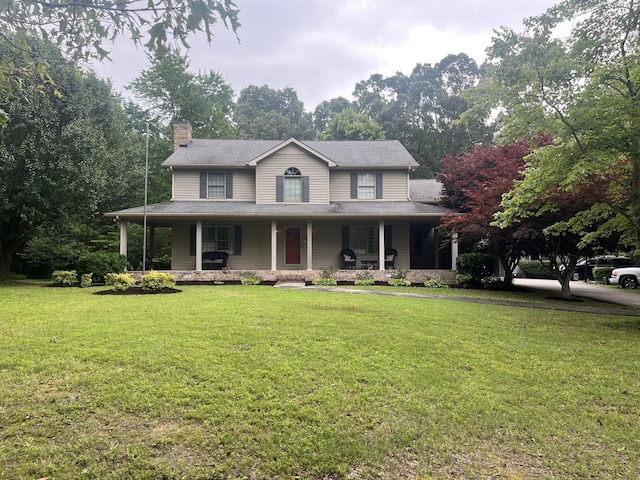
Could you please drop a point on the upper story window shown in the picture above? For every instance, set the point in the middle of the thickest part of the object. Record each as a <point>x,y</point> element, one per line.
<point>366,185</point>
<point>292,186</point>
<point>216,185</point>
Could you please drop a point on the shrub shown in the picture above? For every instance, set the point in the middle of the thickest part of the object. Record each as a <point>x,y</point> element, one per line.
<point>327,277</point>
<point>365,277</point>
<point>464,280</point>
<point>399,282</point>
<point>493,283</point>
<point>435,283</point>
<point>324,281</point>
<point>121,281</point>
<point>536,269</point>
<point>100,264</point>
<point>65,277</point>
<point>602,274</point>
<point>477,265</point>
<point>86,280</point>
<point>156,281</point>
<point>110,278</point>
<point>250,278</point>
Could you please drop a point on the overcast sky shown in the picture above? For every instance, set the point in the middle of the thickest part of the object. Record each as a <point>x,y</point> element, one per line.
<point>322,48</point>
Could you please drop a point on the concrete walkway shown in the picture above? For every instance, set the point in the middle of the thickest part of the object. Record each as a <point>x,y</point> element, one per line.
<point>616,296</point>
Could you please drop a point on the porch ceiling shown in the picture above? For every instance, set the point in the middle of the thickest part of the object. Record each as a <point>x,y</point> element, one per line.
<point>175,210</point>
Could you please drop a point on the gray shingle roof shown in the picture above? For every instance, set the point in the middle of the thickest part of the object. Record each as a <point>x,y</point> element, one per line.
<point>426,191</point>
<point>380,153</point>
<point>306,210</point>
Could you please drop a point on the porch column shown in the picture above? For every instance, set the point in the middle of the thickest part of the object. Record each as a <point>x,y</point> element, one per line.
<point>199,245</point>
<point>454,251</point>
<point>123,237</point>
<point>309,245</point>
<point>381,245</point>
<point>274,245</point>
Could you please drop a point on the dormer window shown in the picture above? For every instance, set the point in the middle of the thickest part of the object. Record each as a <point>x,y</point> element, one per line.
<point>292,186</point>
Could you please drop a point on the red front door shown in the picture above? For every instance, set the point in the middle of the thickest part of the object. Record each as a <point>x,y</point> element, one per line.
<point>292,239</point>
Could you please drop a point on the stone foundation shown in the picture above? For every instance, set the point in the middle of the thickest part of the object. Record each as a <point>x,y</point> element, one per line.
<point>414,276</point>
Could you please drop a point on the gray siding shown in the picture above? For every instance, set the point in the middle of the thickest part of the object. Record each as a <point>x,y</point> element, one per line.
<point>256,245</point>
<point>186,185</point>
<point>291,156</point>
<point>394,185</point>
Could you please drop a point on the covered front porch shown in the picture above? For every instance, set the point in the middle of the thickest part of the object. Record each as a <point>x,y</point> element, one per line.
<point>301,245</point>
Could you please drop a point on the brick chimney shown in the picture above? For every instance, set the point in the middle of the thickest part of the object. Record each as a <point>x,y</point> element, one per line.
<point>182,133</point>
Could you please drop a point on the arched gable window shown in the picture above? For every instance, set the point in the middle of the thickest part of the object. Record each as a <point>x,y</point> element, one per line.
<point>292,186</point>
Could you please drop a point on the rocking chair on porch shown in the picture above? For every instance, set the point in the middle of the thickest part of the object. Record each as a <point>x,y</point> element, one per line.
<point>348,259</point>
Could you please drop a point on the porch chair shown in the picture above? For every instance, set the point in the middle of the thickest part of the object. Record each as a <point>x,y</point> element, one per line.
<point>390,255</point>
<point>348,259</point>
<point>214,260</point>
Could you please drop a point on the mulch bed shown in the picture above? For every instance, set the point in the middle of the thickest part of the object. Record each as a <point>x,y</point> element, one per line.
<point>137,291</point>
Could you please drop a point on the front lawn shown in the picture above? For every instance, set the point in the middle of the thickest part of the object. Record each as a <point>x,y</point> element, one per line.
<point>258,382</point>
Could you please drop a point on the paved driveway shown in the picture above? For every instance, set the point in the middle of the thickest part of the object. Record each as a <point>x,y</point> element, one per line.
<point>617,295</point>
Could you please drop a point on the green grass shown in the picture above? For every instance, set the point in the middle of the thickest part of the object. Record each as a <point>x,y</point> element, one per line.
<point>258,382</point>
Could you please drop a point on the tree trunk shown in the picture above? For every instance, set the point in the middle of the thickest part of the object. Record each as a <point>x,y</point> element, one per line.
<point>566,290</point>
<point>5,266</point>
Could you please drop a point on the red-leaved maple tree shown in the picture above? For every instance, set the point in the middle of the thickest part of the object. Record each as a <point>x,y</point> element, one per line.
<point>473,187</point>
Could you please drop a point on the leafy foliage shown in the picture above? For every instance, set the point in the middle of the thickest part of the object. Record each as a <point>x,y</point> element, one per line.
<point>65,277</point>
<point>81,29</point>
<point>101,263</point>
<point>350,125</point>
<point>472,268</point>
<point>62,160</point>
<point>172,92</point>
<point>122,281</point>
<point>268,114</point>
<point>155,281</point>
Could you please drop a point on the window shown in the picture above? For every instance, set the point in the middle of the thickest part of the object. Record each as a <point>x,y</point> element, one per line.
<point>226,239</point>
<point>292,185</point>
<point>218,239</point>
<point>216,184</point>
<point>363,239</point>
<point>366,185</point>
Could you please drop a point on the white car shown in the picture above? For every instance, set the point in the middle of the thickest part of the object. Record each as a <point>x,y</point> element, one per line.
<point>627,277</point>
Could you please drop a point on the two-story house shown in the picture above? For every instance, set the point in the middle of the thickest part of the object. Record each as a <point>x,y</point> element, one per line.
<point>296,205</point>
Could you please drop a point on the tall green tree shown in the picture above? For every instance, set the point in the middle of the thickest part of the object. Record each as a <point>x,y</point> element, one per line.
<point>172,92</point>
<point>80,30</point>
<point>62,159</point>
<point>351,125</point>
<point>584,90</point>
<point>325,111</point>
<point>424,110</point>
<point>268,114</point>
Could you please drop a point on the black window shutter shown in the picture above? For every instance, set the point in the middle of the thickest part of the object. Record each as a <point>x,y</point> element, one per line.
<point>379,185</point>
<point>237,240</point>
<point>203,185</point>
<point>192,240</point>
<point>354,185</point>
<point>388,240</point>
<point>229,185</point>
<point>279,189</point>
<point>345,236</point>
<point>305,188</point>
